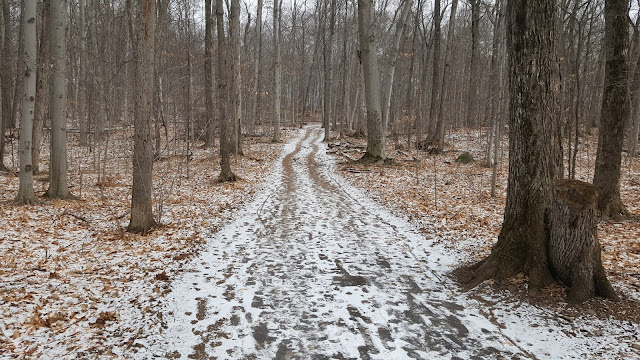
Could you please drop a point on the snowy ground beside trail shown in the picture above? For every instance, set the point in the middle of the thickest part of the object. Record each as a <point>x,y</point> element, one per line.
<point>313,268</point>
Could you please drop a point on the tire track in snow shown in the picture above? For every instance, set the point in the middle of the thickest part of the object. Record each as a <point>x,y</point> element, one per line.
<point>312,269</point>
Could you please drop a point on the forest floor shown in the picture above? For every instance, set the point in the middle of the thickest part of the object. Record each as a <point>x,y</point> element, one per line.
<point>452,201</point>
<point>75,285</point>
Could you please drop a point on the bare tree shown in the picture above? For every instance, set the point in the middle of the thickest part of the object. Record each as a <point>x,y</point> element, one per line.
<point>376,137</point>
<point>615,110</point>
<point>208,72</point>
<point>141,206</point>
<point>58,187</point>
<point>2,89</point>
<point>26,194</point>
<point>257,68</point>
<point>223,99</point>
<point>277,70</point>
<point>533,83</point>
<point>236,78</point>
<point>328,74</point>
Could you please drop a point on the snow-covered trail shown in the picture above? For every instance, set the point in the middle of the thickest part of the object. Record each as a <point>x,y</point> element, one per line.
<point>313,269</point>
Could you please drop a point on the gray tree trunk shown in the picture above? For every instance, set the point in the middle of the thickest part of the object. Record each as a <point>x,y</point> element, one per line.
<point>388,85</point>
<point>42,101</point>
<point>472,97</point>
<point>277,70</point>
<point>328,70</point>
<point>376,137</point>
<point>58,187</point>
<point>223,101</point>
<point>615,110</point>
<point>257,69</point>
<point>141,206</point>
<point>26,194</point>
<point>2,88</point>
<point>236,79</point>
<point>83,124</point>
<point>208,73</point>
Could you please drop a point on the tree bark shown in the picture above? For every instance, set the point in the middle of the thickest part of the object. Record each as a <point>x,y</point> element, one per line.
<point>574,250</point>
<point>376,137</point>
<point>277,71</point>
<point>2,88</point>
<point>328,73</point>
<point>521,246</point>
<point>42,101</point>
<point>26,194</point>
<point>141,206</point>
<point>472,97</point>
<point>236,80</point>
<point>257,68</point>
<point>58,187</point>
<point>223,101</point>
<point>208,73</point>
<point>615,110</point>
<point>388,85</point>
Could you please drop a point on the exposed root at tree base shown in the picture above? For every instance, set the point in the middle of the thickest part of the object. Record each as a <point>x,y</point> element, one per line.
<point>230,177</point>
<point>369,158</point>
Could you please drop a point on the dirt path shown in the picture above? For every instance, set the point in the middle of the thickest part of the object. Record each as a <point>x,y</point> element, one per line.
<point>312,269</point>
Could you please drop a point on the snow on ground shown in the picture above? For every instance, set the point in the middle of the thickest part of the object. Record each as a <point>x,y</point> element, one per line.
<point>73,284</point>
<point>313,268</point>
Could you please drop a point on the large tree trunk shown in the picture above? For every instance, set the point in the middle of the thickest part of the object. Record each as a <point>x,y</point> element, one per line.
<point>26,194</point>
<point>435,83</point>
<point>376,137</point>
<point>574,250</point>
<point>223,98</point>
<point>521,246</point>
<point>141,206</point>
<point>277,71</point>
<point>5,69</point>
<point>615,110</point>
<point>58,187</point>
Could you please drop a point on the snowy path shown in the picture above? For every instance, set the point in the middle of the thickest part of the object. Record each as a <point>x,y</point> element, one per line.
<point>312,269</point>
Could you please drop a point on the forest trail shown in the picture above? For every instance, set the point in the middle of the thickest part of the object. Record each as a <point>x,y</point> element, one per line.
<point>313,269</point>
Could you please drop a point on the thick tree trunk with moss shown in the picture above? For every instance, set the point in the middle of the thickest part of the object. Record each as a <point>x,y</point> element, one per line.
<point>376,137</point>
<point>521,246</point>
<point>26,194</point>
<point>141,205</point>
<point>615,110</point>
<point>574,250</point>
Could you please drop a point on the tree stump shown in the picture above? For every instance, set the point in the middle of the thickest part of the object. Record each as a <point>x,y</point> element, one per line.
<point>574,249</point>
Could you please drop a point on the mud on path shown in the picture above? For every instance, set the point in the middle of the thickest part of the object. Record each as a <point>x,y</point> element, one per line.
<point>313,269</point>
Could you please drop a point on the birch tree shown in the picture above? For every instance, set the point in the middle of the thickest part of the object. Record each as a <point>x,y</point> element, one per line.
<point>142,220</point>
<point>58,187</point>
<point>26,195</point>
